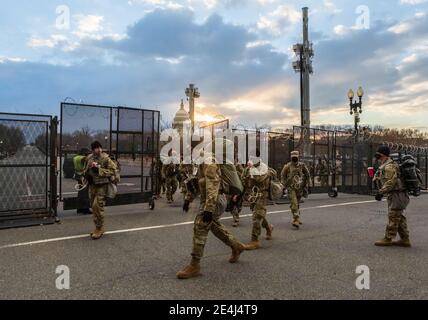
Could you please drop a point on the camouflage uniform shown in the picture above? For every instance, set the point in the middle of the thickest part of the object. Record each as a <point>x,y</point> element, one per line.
<point>211,201</point>
<point>98,183</point>
<point>296,178</point>
<point>169,171</point>
<point>397,198</point>
<point>257,179</point>
<point>321,169</point>
<point>158,177</point>
<point>185,171</point>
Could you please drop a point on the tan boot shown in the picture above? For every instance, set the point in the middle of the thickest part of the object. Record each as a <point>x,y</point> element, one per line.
<point>385,242</point>
<point>191,271</point>
<point>402,243</point>
<point>296,223</point>
<point>235,224</point>
<point>253,245</point>
<point>269,232</point>
<point>97,234</point>
<point>237,249</point>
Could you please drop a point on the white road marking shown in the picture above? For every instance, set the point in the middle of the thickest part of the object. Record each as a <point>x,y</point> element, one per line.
<point>23,244</point>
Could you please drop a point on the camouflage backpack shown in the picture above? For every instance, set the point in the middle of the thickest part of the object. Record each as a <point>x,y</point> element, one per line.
<point>276,188</point>
<point>115,179</point>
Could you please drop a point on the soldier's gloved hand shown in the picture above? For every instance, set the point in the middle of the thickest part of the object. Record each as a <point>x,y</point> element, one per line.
<point>186,206</point>
<point>379,196</point>
<point>207,217</point>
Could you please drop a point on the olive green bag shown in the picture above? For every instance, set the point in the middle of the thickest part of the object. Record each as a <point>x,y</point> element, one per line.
<point>276,188</point>
<point>232,184</point>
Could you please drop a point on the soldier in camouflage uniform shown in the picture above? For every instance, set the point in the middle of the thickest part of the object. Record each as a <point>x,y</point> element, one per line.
<point>213,204</point>
<point>170,171</point>
<point>321,170</point>
<point>392,187</point>
<point>98,170</point>
<point>257,177</point>
<point>296,178</point>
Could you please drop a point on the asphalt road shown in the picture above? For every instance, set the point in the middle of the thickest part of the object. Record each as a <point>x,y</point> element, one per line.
<point>317,262</point>
<point>23,187</point>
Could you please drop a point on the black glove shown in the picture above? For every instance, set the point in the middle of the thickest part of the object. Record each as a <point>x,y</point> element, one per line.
<point>207,217</point>
<point>186,205</point>
<point>379,196</point>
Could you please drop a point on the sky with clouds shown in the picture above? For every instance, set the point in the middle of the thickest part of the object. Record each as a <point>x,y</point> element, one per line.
<point>238,52</point>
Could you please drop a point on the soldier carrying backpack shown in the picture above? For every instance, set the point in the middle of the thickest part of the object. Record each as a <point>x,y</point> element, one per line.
<point>389,176</point>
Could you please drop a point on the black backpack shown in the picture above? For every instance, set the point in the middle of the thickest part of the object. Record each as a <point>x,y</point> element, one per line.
<point>410,175</point>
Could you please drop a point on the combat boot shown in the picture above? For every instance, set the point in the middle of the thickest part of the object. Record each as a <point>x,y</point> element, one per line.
<point>296,223</point>
<point>269,232</point>
<point>253,245</point>
<point>402,243</point>
<point>237,249</point>
<point>385,242</point>
<point>235,224</point>
<point>191,271</point>
<point>97,234</point>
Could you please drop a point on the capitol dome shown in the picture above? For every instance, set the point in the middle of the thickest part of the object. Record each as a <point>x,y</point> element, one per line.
<point>181,116</point>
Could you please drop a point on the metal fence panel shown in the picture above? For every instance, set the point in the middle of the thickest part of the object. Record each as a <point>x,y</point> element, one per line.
<point>131,136</point>
<point>26,169</point>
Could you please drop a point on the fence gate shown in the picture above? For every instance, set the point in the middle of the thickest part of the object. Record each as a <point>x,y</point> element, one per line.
<point>316,147</point>
<point>27,170</point>
<point>129,135</point>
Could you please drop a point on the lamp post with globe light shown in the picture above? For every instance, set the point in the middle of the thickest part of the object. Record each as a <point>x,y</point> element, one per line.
<point>356,107</point>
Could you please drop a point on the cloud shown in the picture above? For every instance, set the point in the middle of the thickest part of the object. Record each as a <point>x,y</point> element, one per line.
<point>331,7</point>
<point>413,2</point>
<point>164,4</point>
<point>278,20</point>
<point>240,74</point>
<point>158,57</point>
<point>174,34</point>
<point>392,69</point>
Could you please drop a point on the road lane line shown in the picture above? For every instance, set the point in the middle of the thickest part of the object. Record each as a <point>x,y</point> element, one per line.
<point>23,244</point>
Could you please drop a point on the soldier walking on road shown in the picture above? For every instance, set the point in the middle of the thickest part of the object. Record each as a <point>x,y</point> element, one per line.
<point>213,205</point>
<point>257,177</point>
<point>392,187</point>
<point>170,172</point>
<point>296,179</point>
<point>99,171</point>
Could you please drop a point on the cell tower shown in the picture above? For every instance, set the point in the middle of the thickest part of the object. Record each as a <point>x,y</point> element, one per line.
<point>304,51</point>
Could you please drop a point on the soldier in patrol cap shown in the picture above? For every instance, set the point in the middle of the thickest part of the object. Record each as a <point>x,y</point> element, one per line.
<point>296,178</point>
<point>99,171</point>
<point>392,187</point>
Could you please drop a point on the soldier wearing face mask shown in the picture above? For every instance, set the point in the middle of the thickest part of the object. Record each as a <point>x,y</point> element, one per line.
<point>296,178</point>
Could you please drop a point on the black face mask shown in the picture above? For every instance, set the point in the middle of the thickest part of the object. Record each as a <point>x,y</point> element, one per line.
<point>295,159</point>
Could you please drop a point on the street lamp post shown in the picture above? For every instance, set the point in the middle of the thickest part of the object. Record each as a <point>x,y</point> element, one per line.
<point>192,93</point>
<point>356,107</point>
